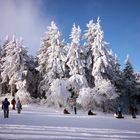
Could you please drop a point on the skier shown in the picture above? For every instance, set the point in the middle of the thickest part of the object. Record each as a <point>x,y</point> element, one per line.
<point>5,107</point>
<point>13,102</point>
<point>19,106</point>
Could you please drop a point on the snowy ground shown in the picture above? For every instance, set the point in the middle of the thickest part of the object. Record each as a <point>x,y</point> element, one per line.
<point>39,123</point>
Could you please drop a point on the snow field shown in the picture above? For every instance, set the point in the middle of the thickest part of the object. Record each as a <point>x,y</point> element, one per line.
<point>37,122</point>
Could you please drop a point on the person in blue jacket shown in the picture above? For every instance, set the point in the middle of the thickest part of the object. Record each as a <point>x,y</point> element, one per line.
<point>19,106</point>
<point>119,109</point>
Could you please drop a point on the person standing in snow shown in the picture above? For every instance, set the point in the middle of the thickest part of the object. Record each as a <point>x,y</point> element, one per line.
<point>75,109</point>
<point>13,102</point>
<point>133,111</point>
<point>5,107</point>
<point>19,106</point>
<point>119,111</point>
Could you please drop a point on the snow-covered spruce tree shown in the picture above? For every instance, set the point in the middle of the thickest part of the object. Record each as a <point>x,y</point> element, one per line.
<point>4,87</point>
<point>129,81</point>
<point>103,66</point>
<point>117,80</point>
<point>50,59</point>
<point>115,75</point>
<point>89,37</point>
<point>117,68</point>
<point>27,68</point>
<point>1,91</point>
<point>16,65</point>
<point>77,72</point>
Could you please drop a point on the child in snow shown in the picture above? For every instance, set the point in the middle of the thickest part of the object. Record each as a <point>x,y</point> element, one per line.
<point>19,106</point>
<point>13,102</point>
<point>66,111</point>
<point>91,113</point>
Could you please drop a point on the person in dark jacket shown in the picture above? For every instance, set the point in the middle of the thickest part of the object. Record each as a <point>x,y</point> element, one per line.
<point>13,102</point>
<point>133,111</point>
<point>5,106</point>
<point>75,109</point>
<point>119,112</point>
<point>91,113</point>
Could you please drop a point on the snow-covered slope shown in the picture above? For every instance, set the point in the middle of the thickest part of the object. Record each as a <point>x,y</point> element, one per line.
<point>41,123</point>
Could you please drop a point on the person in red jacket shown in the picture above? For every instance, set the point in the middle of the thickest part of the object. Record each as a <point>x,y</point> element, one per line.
<point>13,102</point>
<point>65,111</point>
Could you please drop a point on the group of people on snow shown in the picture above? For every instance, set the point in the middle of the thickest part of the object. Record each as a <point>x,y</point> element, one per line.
<point>15,104</point>
<point>132,110</point>
<point>118,113</point>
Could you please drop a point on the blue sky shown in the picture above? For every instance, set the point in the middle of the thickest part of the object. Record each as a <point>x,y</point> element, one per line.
<point>120,20</point>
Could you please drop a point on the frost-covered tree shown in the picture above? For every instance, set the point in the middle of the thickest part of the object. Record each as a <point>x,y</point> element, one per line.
<point>97,97</point>
<point>74,62</point>
<point>117,79</point>
<point>117,65</point>
<point>4,87</point>
<point>28,81</point>
<point>103,67</point>
<point>90,34</point>
<point>50,58</point>
<point>7,47</point>
<point>0,67</point>
<point>59,93</point>
<point>107,90</point>
<point>88,98</point>
<point>90,73</point>
<point>129,79</point>
<point>15,68</point>
<point>89,37</point>
<point>73,56</point>
<point>128,73</point>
